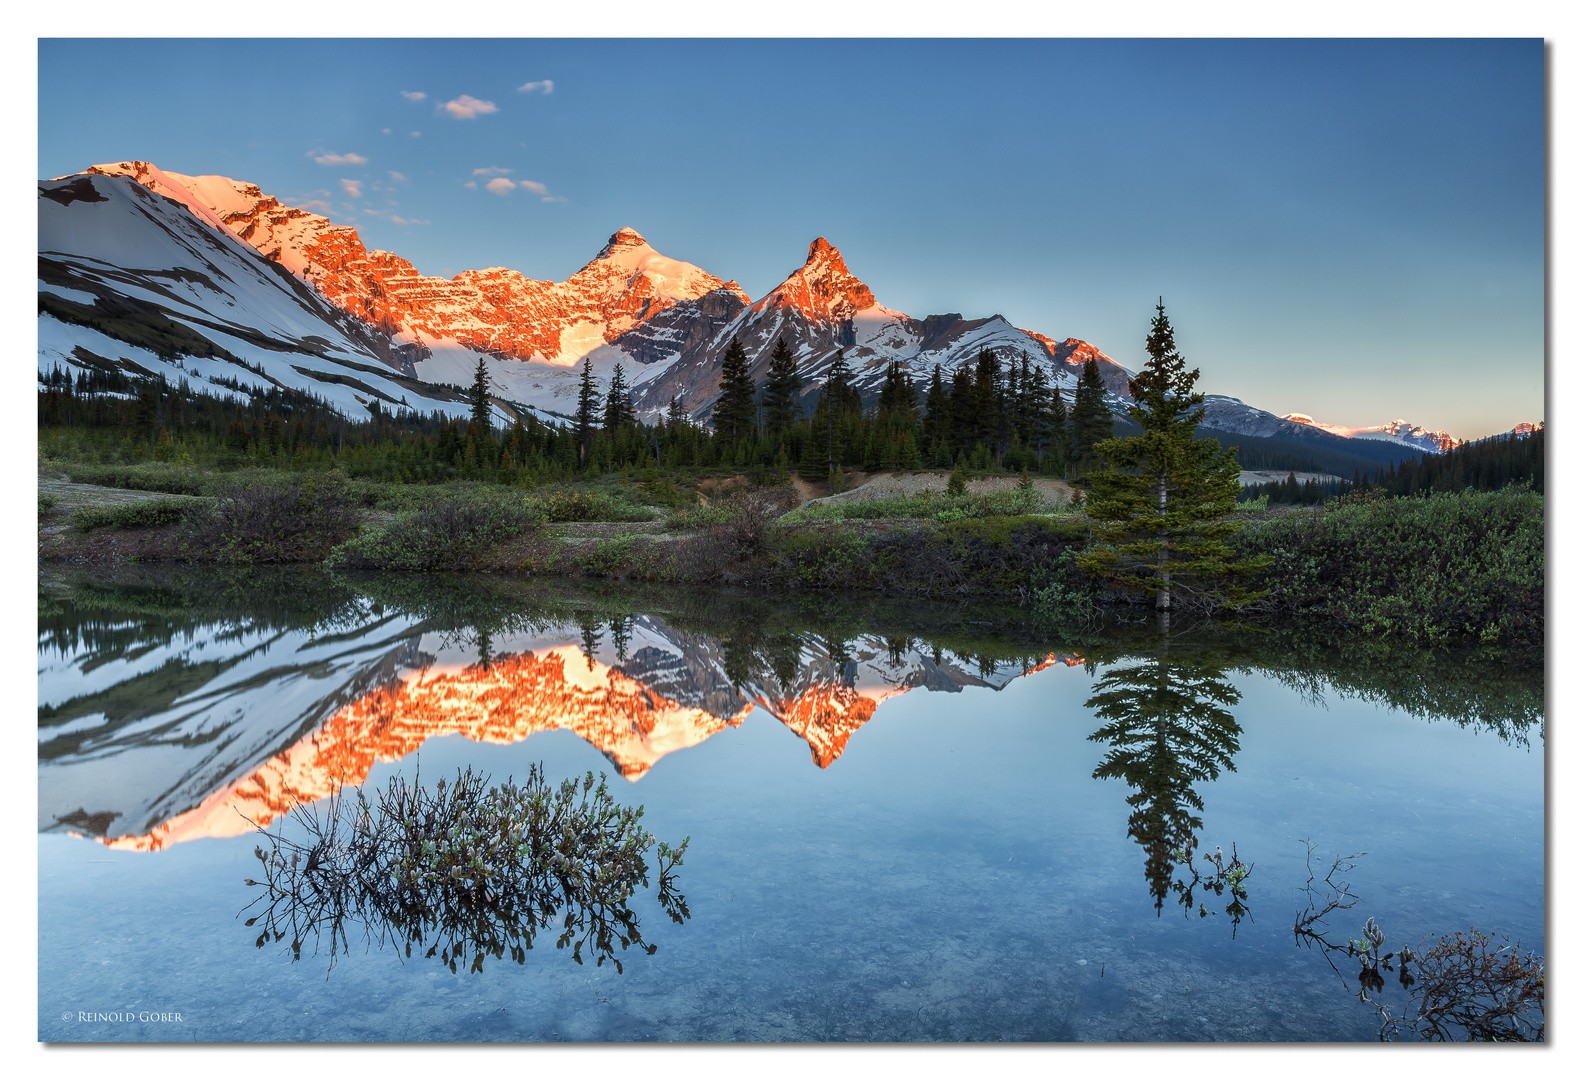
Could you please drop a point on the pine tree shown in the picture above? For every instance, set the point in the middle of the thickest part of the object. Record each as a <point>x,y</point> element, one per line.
<point>733,411</point>
<point>936,420</point>
<point>1161,503</point>
<point>482,411</point>
<point>587,408</point>
<point>618,412</point>
<point>1091,419</point>
<point>781,390</point>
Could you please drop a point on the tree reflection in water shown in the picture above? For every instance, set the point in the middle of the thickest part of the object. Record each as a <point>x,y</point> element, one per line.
<point>466,871</point>
<point>1169,726</point>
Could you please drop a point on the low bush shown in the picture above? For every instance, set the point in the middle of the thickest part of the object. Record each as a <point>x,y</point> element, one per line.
<point>944,508</point>
<point>572,505</point>
<point>1434,568</point>
<point>46,503</point>
<point>457,533</point>
<point>296,520</point>
<point>151,476</point>
<point>143,514</point>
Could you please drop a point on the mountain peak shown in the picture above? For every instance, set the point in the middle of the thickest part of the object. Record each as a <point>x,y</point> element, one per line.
<point>626,236</point>
<point>823,289</point>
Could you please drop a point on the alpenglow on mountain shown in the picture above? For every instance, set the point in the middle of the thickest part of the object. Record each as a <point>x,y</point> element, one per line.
<point>256,294</point>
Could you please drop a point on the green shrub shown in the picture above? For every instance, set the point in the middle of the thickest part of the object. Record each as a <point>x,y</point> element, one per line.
<point>1014,501</point>
<point>152,476</point>
<point>296,520</point>
<point>591,506</point>
<point>46,503</point>
<point>143,514</point>
<point>1434,568</point>
<point>457,533</point>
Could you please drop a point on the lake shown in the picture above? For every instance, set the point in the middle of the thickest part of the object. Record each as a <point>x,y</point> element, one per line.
<point>907,821</point>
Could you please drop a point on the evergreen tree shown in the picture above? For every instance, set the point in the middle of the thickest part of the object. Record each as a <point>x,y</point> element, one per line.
<point>1160,504</point>
<point>1091,419</point>
<point>963,410</point>
<point>936,420</point>
<point>781,390</point>
<point>1059,435</point>
<point>618,411</point>
<point>733,411</point>
<point>482,412</point>
<point>587,408</point>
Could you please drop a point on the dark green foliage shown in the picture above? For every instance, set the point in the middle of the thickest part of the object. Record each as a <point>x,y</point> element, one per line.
<point>569,505</point>
<point>618,403</point>
<point>587,407</point>
<point>482,410</point>
<point>142,514</point>
<point>781,389</point>
<point>1163,496</point>
<point>297,520</point>
<point>1435,568</point>
<point>457,533</point>
<point>1485,465</point>
<point>1091,419</point>
<point>733,411</point>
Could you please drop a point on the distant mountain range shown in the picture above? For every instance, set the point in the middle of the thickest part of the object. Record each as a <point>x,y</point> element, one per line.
<point>208,278</point>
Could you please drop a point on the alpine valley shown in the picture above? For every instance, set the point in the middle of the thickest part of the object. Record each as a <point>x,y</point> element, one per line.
<point>208,279</point>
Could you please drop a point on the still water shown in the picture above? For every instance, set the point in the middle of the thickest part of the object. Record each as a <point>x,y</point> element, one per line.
<point>906,821</point>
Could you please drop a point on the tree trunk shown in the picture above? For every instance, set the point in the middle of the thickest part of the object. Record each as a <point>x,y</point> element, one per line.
<point>1162,595</point>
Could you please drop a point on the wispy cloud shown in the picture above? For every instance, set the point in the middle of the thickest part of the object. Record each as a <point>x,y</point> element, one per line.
<point>413,95</point>
<point>397,220</point>
<point>338,159</point>
<point>546,86</point>
<point>493,170</point>
<point>415,134</point>
<point>553,198</point>
<point>500,186</point>
<point>317,205</point>
<point>467,107</point>
<point>397,177</point>
<point>352,188</point>
<point>472,184</point>
<point>384,131</point>
<point>534,186</point>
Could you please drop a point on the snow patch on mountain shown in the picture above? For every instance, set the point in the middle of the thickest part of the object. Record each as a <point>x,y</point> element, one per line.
<point>1396,431</point>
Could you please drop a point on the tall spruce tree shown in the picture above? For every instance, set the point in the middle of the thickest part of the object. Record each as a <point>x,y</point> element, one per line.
<point>781,390</point>
<point>587,408</point>
<point>936,418</point>
<point>734,410</point>
<point>482,410</point>
<point>1091,419</point>
<point>618,411</point>
<point>1161,502</point>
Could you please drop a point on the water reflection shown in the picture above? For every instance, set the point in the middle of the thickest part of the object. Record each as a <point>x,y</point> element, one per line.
<point>1168,727</point>
<point>180,703</point>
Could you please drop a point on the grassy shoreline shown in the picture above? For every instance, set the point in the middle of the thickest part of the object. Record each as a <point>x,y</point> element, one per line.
<point>1437,569</point>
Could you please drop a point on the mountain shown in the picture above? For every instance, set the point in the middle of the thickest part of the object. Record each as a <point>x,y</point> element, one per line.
<point>235,728</point>
<point>207,278</point>
<point>822,308</point>
<point>1397,431</point>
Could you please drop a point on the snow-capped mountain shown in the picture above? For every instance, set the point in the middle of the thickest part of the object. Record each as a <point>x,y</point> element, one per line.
<point>257,720</point>
<point>1397,431</point>
<point>496,311</point>
<point>822,308</point>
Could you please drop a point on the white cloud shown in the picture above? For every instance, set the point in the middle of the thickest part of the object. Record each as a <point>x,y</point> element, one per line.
<point>415,134</point>
<point>500,185</point>
<point>553,198</point>
<point>385,130</point>
<point>317,204</point>
<point>472,184</point>
<point>397,177</point>
<point>467,107</point>
<point>338,159</point>
<point>534,186</point>
<point>413,95</point>
<point>492,170</point>
<point>546,85</point>
<point>353,188</point>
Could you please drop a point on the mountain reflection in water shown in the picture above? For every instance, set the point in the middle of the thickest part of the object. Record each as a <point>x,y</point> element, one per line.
<point>177,704</point>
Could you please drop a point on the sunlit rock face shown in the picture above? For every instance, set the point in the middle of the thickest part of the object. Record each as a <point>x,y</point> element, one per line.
<point>498,311</point>
<point>658,691</point>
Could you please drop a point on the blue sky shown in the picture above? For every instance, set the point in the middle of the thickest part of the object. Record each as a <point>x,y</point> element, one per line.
<point>1352,229</point>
